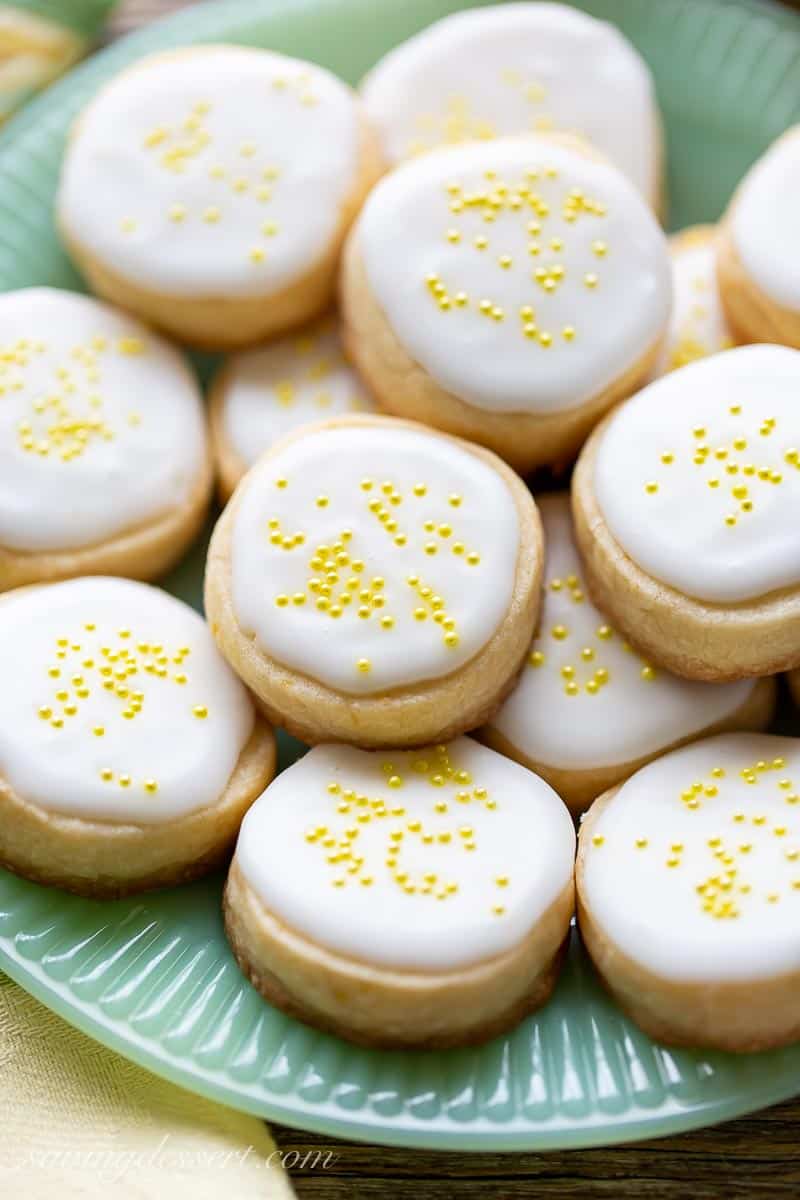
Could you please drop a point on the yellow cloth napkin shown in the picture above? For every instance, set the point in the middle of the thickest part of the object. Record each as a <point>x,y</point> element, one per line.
<point>78,1122</point>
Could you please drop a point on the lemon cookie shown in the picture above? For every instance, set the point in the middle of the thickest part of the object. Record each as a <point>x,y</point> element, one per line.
<point>688,880</point>
<point>759,254</point>
<point>519,68</point>
<point>129,749</point>
<point>376,583</point>
<point>588,710</point>
<point>685,504</point>
<point>209,190</point>
<point>259,395</point>
<point>417,900</point>
<point>104,462</point>
<point>488,314</point>
<point>34,50</point>
<point>698,326</point>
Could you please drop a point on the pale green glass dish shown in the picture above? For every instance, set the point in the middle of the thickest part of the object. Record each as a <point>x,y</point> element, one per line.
<point>153,977</point>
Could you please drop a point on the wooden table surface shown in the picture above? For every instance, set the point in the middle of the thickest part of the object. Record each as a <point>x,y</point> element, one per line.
<point>749,1159</point>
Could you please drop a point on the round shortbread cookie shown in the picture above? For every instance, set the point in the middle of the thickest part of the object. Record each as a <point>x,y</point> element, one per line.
<point>129,749</point>
<point>588,710</point>
<point>686,503</point>
<point>519,68</point>
<point>689,893</point>
<point>260,395</point>
<point>209,189</point>
<point>417,899</point>
<point>375,582</point>
<point>759,255</point>
<point>488,315</point>
<point>698,326</point>
<point>104,463</point>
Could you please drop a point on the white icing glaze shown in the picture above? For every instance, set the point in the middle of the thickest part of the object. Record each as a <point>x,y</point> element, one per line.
<point>413,824</point>
<point>542,342</point>
<point>766,222</point>
<point>101,422</point>
<point>733,846</point>
<point>515,69</point>
<point>111,676</point>
<point>218,171</point>
<point>585,698</point>
<point>294,381</point>
<point>322,602</point>
<point>698,326</point>
<point>724,421</point>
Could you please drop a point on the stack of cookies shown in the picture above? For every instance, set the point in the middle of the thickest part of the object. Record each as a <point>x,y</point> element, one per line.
<point>382,581</point>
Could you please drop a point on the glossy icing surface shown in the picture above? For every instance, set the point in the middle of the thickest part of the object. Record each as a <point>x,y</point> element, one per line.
<point>218,171</point>
<point>122,709</point>
<point>511,257</point>
<point>586,698</point>
<point>517,69</point>
<point>698,476</point>
<point>693,869</point>
<point>101,422</point>
<point>429,860</point>
<point>373,557</point>
<point>766,221</point>
<point>293,381</point>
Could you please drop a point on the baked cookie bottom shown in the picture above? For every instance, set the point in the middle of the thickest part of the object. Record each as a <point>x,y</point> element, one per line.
<point>752,315</point>
<point>578,787</point>
<point>145,552</point>
<point>107,860</point>
<point>740,1016</point>
<point>383,1007</point>
<point>432,711</point>
<point>794,685</point>
<point>692,638</point>
<point>403,388</point>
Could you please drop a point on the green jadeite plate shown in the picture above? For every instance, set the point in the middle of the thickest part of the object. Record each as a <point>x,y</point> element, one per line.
<point>154,977</point>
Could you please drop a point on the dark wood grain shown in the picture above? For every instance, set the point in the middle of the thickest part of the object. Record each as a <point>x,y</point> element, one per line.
<point>755,1158</point>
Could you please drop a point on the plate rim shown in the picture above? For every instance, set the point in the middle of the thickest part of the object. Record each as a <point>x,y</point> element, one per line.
<point>476,1137</point>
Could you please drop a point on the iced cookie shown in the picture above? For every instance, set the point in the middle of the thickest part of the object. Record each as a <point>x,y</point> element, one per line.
<point>129,750</point>
<point>688,881</point>
<point>259,395</point>
<point>417,900</point>
<point>588,711</point>
<point>759,252</point>
<point>488,315</point>
<point>686,502</point>
<point>35,47</point>
<point>698,326</point>
<point>519,68</point>
<point>104,462</point>
<point>376,583</point>
<point>209,190</point>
